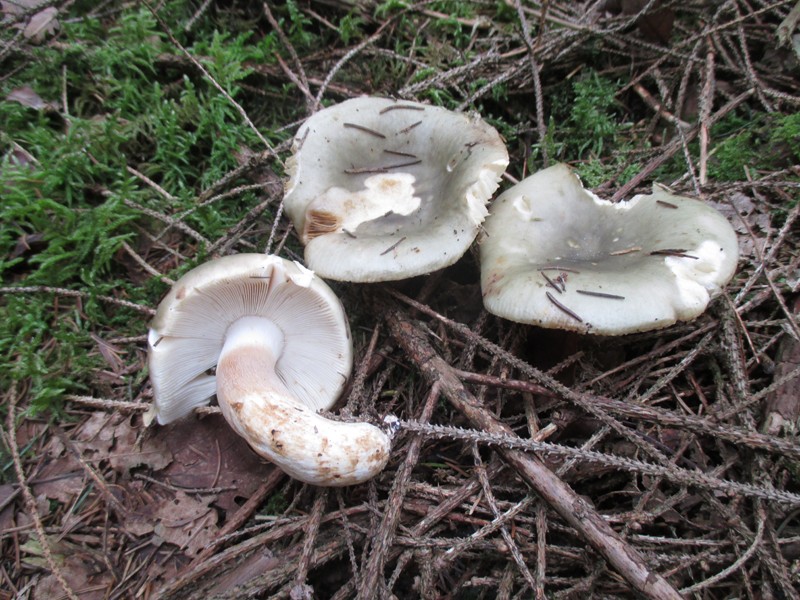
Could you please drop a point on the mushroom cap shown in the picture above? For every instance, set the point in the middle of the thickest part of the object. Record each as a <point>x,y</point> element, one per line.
<point>382,189</point>
<point>189,329</point>
<point>557,256</point>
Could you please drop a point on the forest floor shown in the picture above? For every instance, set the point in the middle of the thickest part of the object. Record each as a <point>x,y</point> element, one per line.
<point>141,139</point>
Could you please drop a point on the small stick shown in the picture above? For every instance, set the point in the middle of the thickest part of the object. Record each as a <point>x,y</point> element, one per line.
<point>393,246</point>
<point>377,134</point>
<point>563,308</point>
<point>666,204</point>
<point>550,282</point>
<point>401,107</point>
<point>565,269</point>
<point>600,295</point>
<point>398,153</point>
<point>363,170</point>
<point>27,496</point>
<point>673,252</point>
<point>410,127</point>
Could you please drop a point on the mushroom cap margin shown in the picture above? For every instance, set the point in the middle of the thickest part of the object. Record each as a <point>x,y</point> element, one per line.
<point>549,227</point>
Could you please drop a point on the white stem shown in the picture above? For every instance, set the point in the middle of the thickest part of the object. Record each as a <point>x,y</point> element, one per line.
<point>260,408</point>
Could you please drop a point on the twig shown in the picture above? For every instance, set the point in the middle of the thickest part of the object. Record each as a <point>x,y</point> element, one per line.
<point>111,405</point>
<point>45,289</point>
<point>488,494</point>
<point>572,508</point>
<point>658,107</point>
<point>346,58</point>
<point>788,25</point>
<point>151,183</point>
<point>30,501</point>
<point>145,265</point>
<point>299,79</point>
<point>706,102</point>
<point>541,127</point>
<point>176,223</point>
<point>309,539</point>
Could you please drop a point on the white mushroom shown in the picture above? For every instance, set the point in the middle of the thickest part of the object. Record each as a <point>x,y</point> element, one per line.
<point>557,256</point>
<point>382,189</point>
<point>279,340</point>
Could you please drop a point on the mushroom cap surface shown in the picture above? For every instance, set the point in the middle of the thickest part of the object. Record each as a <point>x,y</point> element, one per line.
<point>382,189</point>
<point>189,329</point>
<point>557,256</point>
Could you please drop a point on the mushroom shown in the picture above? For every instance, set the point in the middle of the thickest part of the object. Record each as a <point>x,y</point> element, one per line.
<point>382,190</point>
<point>280,342</point>
<point>557,256</point>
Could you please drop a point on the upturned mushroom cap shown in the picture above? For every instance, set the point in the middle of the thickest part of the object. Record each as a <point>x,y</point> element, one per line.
<point>187,334</point>
<point>557,256</point>
<point>382,189</point>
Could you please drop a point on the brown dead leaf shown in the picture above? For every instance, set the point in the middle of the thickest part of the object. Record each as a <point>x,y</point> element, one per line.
<point>84,570</point>
<point>27,243</point>
<point>110,353</point>
<point>112,437</point>
<point>61,480</point>
<point>43,24</point>
<point>746,217</point>
<point>7,513</point>
<point>208,454</point>
<point>95,436</point>
<point>19,157</point>
<point>186,521</point>
<point>135,448</point>
<point>28,97</point>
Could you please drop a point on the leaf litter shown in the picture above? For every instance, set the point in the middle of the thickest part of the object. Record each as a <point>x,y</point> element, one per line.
<point>190,511</point>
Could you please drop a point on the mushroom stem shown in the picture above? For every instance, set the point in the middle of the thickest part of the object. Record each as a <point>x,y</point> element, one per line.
<point>258,405</point>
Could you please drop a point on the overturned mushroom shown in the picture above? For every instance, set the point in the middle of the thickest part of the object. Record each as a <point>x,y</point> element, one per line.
<point>557,256</point>
<point>383,190</point>
<point>280,342</point>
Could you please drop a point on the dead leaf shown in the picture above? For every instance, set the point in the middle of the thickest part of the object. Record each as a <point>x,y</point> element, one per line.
<point>42,24</point>
<point>745,216</point>
<point>134,448</point>
<point>18,7</point>
<point>7,494</point>
<point>95,436</point>
<point>26,243</point>
<point>208,454</point>
<point>110,353</point>
<point>84,570</point>
<point>28,97</point>
<point>186,521</point>
<point>19,157</point>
